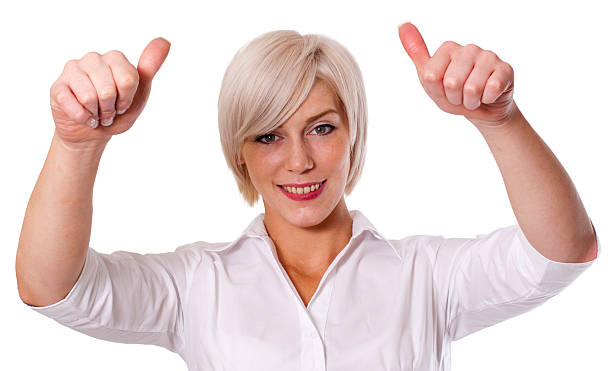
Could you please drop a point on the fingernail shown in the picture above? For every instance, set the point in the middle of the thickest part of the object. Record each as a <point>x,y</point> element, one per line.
<point>108,121</point>
<point>122,111</point>
<point>93,123</point>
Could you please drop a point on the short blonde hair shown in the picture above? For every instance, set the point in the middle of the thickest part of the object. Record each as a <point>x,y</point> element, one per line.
<point>266,82</point>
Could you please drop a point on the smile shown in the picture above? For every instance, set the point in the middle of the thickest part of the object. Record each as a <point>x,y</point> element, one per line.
<point>305,193</point>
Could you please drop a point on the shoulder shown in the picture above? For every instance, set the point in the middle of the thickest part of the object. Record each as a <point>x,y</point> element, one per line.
<point>203,248</point>
<point>421,246</point>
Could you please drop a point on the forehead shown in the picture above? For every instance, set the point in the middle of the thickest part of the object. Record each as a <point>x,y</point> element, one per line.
<point>321,93</point>
<point>321,98</point>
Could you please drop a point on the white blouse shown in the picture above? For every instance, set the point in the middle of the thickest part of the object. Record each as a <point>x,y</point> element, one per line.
<point>381,304</point>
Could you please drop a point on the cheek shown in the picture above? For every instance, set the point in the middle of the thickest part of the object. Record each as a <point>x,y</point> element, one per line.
<point>336,154</point>
<point>261,164</point>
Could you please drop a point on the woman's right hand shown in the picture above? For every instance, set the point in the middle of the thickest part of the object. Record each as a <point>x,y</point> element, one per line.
<point>99,96</point>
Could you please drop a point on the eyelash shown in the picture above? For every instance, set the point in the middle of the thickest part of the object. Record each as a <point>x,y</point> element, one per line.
<point>259,138</point>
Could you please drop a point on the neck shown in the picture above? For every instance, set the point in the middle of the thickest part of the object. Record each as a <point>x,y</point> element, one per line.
<point>310,250</point>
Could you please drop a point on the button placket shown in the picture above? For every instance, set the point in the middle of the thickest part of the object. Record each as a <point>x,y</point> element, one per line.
<point>319,307</point>
<point>308,344</point>
<point>318,313</point>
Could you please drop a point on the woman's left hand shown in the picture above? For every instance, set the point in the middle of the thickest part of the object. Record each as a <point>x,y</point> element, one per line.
<point>463,80</point>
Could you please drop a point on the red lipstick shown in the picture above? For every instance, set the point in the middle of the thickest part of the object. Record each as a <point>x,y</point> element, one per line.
<point>304,196</point>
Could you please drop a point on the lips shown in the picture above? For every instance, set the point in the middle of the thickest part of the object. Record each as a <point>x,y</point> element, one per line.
<point>296,185</point>
<point>304,196</point>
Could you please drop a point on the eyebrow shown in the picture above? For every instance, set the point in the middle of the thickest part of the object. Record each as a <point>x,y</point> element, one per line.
<point>317,116</point>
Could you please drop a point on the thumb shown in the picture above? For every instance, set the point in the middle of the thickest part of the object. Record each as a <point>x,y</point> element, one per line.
<point>151,59</point>
<point>414,44</point>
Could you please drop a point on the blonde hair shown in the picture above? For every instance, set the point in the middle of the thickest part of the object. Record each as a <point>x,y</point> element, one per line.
<point>266,82</point>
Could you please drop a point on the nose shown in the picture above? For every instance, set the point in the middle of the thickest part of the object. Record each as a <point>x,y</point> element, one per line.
<point>299,157</point>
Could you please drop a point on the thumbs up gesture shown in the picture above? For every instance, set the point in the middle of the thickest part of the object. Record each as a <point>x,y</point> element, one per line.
<point>99,96</point>
<point>463,80</point>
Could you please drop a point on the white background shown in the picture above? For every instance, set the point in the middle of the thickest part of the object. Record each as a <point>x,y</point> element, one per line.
<point>165,183</point>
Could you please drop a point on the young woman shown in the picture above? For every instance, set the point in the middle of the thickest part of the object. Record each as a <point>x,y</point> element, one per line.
<point>308,284</point>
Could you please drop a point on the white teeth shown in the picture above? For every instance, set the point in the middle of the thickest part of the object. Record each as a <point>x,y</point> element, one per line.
<point>301,190</point>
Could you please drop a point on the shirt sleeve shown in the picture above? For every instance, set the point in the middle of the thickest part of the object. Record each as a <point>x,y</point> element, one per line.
<point>126,297</point>
<point>485,280</point>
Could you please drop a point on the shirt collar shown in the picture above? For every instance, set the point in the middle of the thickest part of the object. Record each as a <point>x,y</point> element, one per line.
<point>361,224</point>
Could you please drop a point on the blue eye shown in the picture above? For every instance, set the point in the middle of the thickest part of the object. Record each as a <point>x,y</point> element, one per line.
<point>268,138</point>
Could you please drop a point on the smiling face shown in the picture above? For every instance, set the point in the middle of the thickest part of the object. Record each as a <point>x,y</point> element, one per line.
<point>308,148</point>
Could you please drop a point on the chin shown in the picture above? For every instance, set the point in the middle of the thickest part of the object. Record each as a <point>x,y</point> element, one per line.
<point>306,213</point>
<point>306,217</point>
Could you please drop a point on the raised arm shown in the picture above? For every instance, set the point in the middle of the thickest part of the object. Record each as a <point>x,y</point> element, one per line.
<point>469,81</point>
<point>54,239</point>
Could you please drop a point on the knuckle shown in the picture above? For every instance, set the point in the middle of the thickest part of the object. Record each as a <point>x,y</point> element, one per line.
<point>70,65</point>
<point>107,93</point>
<point>90,59</point>
<point>450,83</point>
<point>509,68</point>
<point>488,55</point>
<point>495,84</point>
<point>470,50</point>
<point>430,75</point>
<point>89,98</point>
<point>506,68</point>
<point>114,53</point>
<point>61,97</point>
<point>91,55</point>
<point>449,44</point>
<point>470,89</point>
<point>127,80</point>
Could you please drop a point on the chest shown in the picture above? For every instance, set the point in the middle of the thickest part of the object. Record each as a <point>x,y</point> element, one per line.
<point>305,285</point>
<point>365,315</point>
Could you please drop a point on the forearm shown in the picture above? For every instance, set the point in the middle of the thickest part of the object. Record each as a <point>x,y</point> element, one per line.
<point>57,224</point>
<point>543,197</point>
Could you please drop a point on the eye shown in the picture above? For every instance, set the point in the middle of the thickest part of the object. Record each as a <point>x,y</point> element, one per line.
<point>265,136</point>
<point>321,130</point>
<point>324,132</point>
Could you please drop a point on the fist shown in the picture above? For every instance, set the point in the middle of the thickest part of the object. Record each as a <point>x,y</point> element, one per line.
<point>463,80</point>
<point>99,96</point>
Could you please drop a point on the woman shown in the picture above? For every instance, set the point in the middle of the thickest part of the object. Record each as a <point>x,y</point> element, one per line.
<point>308,284</point>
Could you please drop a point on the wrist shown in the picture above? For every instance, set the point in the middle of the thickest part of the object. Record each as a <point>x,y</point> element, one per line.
<point>515,118</point>
<point>79,158</point>
<point>91,147</point>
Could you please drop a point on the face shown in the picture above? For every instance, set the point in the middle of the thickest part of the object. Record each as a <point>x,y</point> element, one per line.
<point>308,148</point>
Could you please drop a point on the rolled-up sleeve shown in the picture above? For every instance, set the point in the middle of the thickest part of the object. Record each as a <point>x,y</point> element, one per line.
<point>485,280</point>
<point>126,297</point>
